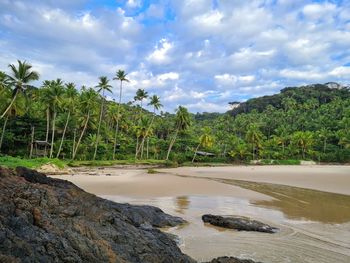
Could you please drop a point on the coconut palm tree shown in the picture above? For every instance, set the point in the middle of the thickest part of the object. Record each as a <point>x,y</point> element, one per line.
<point>87,105</point>
<point>70,96</point>
<point>53,96</point>
<point>304,140</point>
<point>141,94</point>
<point>155,102</point>
<point>121,76</point>
<point>254,136</point>
<point>103,86</point>
<point>206,140</point>
<point>182,122</point>
<point>19,79</point>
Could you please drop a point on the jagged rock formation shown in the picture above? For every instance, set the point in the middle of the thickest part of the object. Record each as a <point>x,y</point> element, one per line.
<point>238,223</point>
<point>51,220</point>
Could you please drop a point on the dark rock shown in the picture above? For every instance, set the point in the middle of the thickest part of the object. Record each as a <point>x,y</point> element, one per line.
<point>238,223</point>
<point>231,260</point>
<point>51,220</point>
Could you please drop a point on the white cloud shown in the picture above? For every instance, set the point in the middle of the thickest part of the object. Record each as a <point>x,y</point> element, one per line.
<point>160,55</point>
<point>205,55</point>
<point>340,72</point>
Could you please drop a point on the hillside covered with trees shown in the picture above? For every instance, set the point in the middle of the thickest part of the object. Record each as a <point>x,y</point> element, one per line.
<point>310,122</point>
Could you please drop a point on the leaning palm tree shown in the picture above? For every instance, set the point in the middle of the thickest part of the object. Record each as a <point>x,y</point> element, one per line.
<point>155,102</point>
<point>17,108</point>
<point>206,140</point>
<point>69,104</point>
<point>87,105</point>
<point>121,76</point>
<point>103,86</point>
<point>183,122</point>
<point>20,78</point>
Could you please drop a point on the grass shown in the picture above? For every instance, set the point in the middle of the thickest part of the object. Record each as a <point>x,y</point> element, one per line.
<point>115,162</point>
<point>281,162</point>
<point>13,162</point>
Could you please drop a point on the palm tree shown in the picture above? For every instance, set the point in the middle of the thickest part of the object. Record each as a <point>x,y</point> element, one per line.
<point>324,134</point>
<point>87,104</point>
<point>206,140</point>
<point>4,82</point>
<point>304,140</point>
<point>16,108</point>
<point>254,136</point>
<point>121,76</point>
<point>69,103</point>
<point>20,78</point>
<point>141,94</point>
<point>103,86</point>
<point>53,95</point>
<point>155,102</point>
<point>182,122</point>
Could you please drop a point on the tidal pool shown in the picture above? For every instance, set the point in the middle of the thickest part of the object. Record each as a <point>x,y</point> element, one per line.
<point>314,225</point>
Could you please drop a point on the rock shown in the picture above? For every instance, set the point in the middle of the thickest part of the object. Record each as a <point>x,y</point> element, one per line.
<point>231,260</point>
<point>238,223</point>
<point>50,220</point>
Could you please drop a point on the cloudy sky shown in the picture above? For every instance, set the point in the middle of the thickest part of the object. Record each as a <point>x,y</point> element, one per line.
<point>197,53</point>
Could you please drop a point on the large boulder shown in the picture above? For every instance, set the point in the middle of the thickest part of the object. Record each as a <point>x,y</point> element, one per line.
<point>238,223</point>
<point>51,220</point>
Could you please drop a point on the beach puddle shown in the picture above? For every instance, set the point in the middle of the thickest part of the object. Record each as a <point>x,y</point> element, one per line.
<point>300,203</point>
<point>314,225</point>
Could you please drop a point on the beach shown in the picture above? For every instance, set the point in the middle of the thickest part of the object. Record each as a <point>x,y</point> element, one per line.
<point>309,204</point>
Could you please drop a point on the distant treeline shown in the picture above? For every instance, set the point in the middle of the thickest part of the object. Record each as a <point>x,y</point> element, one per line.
<point>311,122</point>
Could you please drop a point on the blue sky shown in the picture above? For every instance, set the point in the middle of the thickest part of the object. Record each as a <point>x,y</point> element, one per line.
<point>197,53</point>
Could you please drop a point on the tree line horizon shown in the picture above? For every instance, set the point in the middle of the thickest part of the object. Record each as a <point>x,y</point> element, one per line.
<point>309,123</point>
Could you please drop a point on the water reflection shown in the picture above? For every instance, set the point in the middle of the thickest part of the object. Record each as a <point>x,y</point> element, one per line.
<point>182,204</point>
<point>299,203</point>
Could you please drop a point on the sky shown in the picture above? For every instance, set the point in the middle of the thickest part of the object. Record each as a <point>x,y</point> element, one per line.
<point>201,54</point>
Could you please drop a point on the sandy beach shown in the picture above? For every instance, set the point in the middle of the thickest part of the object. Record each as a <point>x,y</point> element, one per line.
<point>309,204</point>
<point>328,178</point>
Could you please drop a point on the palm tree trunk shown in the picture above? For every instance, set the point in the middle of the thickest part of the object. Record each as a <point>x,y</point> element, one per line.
<point>47,124</point>
<point>31,143</point>
<point>147,132</point>
<point>137,146</point>
<point>147,151</point>
<point>117,125</point>
<point>9,106</point>
<point>195,152</point>
<point>98,129</point>
<point>74,137</point>
<point>172,142</point>
<point>81,135</point>
<point>253,151</point>
<point>53,133</point>
<point>3,131</point>
<point>64,133</point>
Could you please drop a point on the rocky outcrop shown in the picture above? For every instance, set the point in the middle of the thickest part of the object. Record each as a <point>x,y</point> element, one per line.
<point>51,220</point>
<point>238,223</point>
<point>231,260</point>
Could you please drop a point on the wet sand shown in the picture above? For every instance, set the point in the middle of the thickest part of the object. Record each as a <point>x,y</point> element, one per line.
<point>328,178</point>
<point>313,218</point>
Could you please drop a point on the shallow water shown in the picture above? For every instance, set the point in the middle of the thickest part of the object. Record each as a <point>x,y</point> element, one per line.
<point>314,225</point>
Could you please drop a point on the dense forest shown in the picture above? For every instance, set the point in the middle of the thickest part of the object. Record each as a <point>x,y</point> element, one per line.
<point>309,123</point>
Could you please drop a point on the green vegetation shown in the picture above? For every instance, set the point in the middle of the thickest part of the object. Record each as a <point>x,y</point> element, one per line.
<point>12,162</point>
<point>81,127</point>
<point>281,162</point>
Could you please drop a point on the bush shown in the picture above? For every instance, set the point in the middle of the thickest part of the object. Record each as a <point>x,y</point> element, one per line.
<point>171,164</point>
